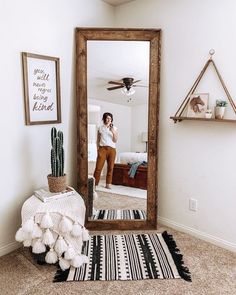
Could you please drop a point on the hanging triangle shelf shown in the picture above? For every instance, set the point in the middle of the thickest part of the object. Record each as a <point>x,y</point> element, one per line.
<point>178,117</point>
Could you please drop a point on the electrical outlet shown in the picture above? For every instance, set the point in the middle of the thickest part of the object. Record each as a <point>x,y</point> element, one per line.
<point>193,204</point>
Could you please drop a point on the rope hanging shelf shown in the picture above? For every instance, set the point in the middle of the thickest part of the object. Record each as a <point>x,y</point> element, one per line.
<point>178,117</point>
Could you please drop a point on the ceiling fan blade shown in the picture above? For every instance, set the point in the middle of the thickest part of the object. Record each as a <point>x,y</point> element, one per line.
<point>140,86</point>
<point>136,81</point>
<point>115,87</point>
<point>116,83</point>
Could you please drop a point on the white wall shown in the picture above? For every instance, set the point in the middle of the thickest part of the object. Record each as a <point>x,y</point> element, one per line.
<point>47,28</point>
<point>139,124</point>
<point>196,159</point>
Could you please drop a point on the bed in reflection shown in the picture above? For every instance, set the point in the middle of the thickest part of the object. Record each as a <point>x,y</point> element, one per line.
<point>131,170</point>
<point>131,157</point>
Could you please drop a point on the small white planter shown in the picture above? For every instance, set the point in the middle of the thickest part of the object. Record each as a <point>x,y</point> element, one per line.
<point>219,112</point>
<point>208,115</point>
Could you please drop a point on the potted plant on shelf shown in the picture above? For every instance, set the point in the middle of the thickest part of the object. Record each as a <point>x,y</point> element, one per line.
<point>208,114</point>
<point>220,108</point>
<point>57,179</point>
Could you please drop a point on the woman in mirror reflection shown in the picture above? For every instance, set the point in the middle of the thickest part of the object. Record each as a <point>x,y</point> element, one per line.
<point>106,145</point>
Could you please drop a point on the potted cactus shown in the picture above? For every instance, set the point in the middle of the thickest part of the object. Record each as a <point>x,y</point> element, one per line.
<point>57,179</point>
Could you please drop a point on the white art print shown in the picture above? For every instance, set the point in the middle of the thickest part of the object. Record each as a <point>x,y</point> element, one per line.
<point>42,89</point>
<point>197,105</point>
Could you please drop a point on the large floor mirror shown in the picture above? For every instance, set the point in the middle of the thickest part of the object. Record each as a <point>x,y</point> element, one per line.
<point>118,72</point>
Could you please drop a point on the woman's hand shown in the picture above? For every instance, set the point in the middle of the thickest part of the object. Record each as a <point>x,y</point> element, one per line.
<point>114,133</point>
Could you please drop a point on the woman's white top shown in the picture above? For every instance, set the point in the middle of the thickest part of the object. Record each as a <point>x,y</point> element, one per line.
<point>106,136</point>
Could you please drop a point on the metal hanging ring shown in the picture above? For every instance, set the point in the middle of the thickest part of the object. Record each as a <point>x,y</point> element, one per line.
<point>211,52</point>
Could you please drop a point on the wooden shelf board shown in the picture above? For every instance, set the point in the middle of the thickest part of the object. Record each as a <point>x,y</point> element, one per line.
<point>202,119</point>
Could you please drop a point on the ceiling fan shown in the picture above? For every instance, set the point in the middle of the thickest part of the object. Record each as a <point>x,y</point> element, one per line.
<point>127,82</point>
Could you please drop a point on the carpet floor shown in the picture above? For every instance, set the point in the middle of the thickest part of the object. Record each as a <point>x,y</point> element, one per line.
<point>107,200</point>
<point>213,269</point>
<point>123,190</point>
<point>213,272</point>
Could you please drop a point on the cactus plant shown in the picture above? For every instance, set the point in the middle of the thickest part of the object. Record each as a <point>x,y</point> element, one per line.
<point>57,153</point>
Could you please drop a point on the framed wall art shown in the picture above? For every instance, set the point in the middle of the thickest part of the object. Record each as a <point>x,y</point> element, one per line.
<point>198,104</point>
<point>41,78</point>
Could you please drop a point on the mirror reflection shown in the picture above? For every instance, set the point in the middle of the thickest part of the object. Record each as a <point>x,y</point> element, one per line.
<point>117,90</point>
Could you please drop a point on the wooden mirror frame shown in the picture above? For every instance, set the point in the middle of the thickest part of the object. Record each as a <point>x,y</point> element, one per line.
<point>154,37</point>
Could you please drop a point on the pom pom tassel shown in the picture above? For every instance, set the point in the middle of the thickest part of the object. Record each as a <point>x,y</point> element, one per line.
<point>51,257</point>
<point>85,259</point>
<point>46,221</point>
<point>37,232</point>
<point>27,243</point>
<point>70,253</point>
<point>64,264</point>
<point>21,235</point>
<point>28,226</point>
<point>85,234</point>
<point>38,247</point>
<point>60,245</point>
<point>77,261</point>
<point>76,230</point>
<point>65,225</point>
<point>48,237</point>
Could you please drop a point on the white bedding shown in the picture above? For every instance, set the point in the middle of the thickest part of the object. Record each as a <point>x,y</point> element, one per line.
<point>131,157</point>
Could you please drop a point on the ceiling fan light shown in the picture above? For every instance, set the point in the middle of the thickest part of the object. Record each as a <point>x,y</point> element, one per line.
<point>128,92</point>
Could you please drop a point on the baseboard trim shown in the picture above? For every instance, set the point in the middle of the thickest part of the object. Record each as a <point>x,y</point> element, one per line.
<point>9,248</point>
<point>165,221</point>
<point>199,234</point>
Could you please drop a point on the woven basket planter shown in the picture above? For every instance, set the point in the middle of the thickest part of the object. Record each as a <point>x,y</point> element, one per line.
<point>57,184</point>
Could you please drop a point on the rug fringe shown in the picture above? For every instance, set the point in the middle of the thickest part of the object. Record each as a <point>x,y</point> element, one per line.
<point>61,276</point>
<point>177,257</point>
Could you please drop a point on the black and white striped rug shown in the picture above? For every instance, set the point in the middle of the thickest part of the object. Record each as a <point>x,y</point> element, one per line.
<point>119,214</point>
<point>129,257</point>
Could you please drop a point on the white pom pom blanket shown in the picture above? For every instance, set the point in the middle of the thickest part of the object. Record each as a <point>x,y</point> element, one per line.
<point>56,220</point>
